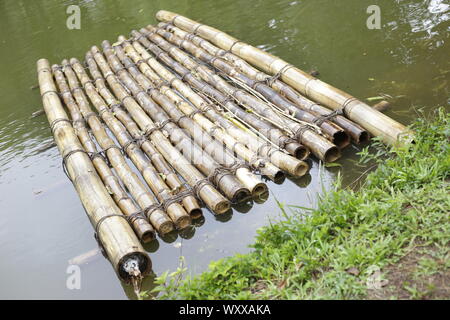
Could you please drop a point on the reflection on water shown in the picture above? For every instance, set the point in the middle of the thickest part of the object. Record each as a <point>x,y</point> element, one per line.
<point>42,225</point>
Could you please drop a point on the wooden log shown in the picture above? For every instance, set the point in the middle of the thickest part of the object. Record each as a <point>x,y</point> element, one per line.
<point>373,121</point>
<point>333,132</point>
<point>224,131</point>
<point>222,178</point>
<point>264,128</point>
<point>202,188</point>
<point>162,192</point>
<point>358,134</point>
<point>140,224</point>
<point>189,201</point>
<point>319,146</point>
<point>120,244</point>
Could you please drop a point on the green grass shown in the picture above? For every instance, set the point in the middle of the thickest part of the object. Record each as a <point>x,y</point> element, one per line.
<point>333,251</point>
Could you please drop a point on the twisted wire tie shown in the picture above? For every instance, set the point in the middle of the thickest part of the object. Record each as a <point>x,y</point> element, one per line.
<point>54,122</point>
<point>97,229</point>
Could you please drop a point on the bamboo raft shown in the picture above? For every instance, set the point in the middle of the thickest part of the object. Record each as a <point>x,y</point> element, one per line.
<point>181,115</point>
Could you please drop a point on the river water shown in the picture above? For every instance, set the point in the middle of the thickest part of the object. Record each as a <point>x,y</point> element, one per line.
<point>42,222</point>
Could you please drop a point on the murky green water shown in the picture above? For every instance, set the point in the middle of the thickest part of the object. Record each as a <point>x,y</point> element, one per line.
<point>42,222</point>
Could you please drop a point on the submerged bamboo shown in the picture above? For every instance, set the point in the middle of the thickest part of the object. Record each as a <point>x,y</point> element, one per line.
<point>333,132</point>
<point>189,201</point>
<point>224,179</point>
<point>120,244</point>
<point>358,134</point>
<point>373,121</point>
<point>202,188</point>
<point>221,128</point>
<point>162,192</point>
<point>143,229</point>
<point>319,146</point>
<point>266,129</point>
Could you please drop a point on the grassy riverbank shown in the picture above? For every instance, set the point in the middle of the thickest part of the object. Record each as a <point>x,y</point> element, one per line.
<point>389,239</point>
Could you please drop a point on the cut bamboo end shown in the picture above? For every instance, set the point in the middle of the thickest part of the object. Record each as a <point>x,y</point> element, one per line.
<point>192,207</point>
<point>144,231</point>
<point>145,265</point>
<point>161,222</point>
<point>196,213</point>
<point>259,189</point>
<point>221,207</point>
<point>272,172</point>
<point>341,139</point>
<point>362,138</point>
<point>300,169</point>
<point>179,216</point>
<point>214,200</point>
<point>250,181</point>
<point>165,227</point>
<point>320,147</point>
<point>232,188</point>
<point>298,151</point>
<point>332,154</point>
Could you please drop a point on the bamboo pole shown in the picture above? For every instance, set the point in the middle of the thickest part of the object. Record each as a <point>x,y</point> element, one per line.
<point>264,128</point>
<point>120,244</point>
<point>358,134</point>
<point>224,179</point>
<point>373,121</point>
<point>162,192</point>
<point>333,132</point>
<point>143,229</point>
<point>319,146</point>
<point>201,186</point>
<point>229,134</point>
<point>255,186</point>
<point>160,221</point>
<point>189,201</point>
<point>199,122</point>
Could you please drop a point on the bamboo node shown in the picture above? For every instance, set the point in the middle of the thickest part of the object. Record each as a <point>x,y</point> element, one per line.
<point>193,113</point>
<point>49,91</point>
<point>123,99</point>
<point>231,47</point>
<point>127,144</point>
<point>89,115</point>
<point>138,63</point>
<point>213,129</point>
<point>173,20</point>
<point>53,124</point>
<point>196,28</point>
